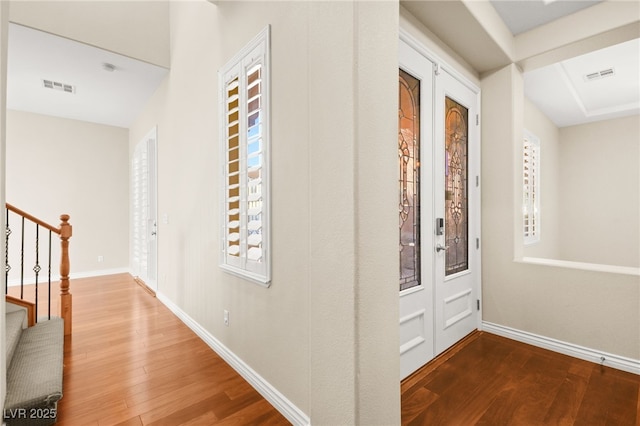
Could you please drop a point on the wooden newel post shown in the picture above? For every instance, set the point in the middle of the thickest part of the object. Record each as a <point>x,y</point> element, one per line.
<point>65,296</point>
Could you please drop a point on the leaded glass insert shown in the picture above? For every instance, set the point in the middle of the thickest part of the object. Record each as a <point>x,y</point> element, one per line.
<point>409,180</point>
<point>456,193</point>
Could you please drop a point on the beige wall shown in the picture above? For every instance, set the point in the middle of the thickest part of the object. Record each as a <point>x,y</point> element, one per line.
<point>378,359</point>
<point>325,333</point>
<point>139,29</point>
<point>550,183</point>
<point>600,185</point>
<point>427,38</point>
<point>590,190</point>
<point>4,12</point>
<point>57,166</point>
<point>593,309</point>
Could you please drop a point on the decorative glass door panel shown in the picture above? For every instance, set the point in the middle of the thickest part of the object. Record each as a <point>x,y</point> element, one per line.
<point>409,180</point>
<point>438,211</point>
<point>456,194</point>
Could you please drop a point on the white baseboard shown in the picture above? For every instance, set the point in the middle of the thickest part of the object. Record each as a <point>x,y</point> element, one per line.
<point>29,280</point>
<point>271,394</point>
<point>99,273</point>
<point>615,361</point>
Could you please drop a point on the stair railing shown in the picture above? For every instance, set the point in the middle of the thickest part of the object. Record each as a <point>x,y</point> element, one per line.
<point>64,232</point>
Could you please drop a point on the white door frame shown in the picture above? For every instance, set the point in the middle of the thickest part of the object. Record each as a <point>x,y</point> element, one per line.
<point>144,255</point>
<point>456,295</point>
<point>474,199</point>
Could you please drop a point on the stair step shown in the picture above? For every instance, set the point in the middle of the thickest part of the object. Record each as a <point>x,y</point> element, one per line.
<point>34,379</point>
<point>13,325</point>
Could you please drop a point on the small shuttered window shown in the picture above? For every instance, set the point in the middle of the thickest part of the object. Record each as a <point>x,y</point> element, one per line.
<point>244,95</point>
<point>531,188</point>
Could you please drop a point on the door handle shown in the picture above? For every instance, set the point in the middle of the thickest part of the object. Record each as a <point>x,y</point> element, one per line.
<point>440,248</point>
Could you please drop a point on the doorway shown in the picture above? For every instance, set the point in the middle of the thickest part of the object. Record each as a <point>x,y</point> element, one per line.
<point>439,206</point>
<point>144,250</point>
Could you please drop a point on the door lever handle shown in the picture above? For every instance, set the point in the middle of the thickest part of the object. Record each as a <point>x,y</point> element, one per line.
<point>440,248</point>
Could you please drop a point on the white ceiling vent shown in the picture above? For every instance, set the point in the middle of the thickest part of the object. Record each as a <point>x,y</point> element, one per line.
<point>609,72</point>
<point>56,85</point>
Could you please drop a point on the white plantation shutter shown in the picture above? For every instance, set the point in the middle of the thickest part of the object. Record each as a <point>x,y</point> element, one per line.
<point>531,188</point>
<point>245,140</point>
<point>140,201</point>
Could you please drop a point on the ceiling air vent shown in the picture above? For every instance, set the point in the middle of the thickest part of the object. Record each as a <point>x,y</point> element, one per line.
<point>55,85</point>
<point>609,72</point>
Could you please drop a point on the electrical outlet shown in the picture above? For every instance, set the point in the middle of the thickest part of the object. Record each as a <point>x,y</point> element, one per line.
<point>100,258</point>
<point>226,318</point>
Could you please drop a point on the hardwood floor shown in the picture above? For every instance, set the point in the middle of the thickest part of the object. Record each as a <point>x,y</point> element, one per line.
<point>490,380</point>
<point>130,361</point>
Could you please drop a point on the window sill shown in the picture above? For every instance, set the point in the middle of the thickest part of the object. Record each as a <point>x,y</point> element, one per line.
<point>595,267</point>
<point>249,276</point>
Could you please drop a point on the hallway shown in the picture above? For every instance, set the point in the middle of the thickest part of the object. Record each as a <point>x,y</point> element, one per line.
<point>130,361</point>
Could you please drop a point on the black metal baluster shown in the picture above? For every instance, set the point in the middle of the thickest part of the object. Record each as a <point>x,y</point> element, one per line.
<point>7,267</point>
<point>22,262</point>
<point>37,268</point>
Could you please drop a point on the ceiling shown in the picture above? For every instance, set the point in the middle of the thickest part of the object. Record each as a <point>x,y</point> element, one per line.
<point>558,90</point>
<point>114,94</point>
<point>106,88</point>
<point>522,16</point>
<point>562,91</point>
<point>600,85</point>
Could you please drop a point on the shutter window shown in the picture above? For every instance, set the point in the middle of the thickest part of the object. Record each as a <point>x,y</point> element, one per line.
<point>245,142</point>
<point>531,188</point>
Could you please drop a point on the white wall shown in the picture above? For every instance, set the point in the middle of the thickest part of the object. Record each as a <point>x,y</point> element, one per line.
<point>600,186</point>
<point>139,29</point>
<point>325,333</point>
<point>596,310</point>
<point>57,166</point>
<point>551,188</point>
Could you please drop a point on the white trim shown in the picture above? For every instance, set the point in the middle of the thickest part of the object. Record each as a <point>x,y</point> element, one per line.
<point>583,266</point>
<point>475,167</point>
<point>440,64</point>
<point>270,393</point>
<point>100,272</point>
<point>55,277</point>
<point>610,360</point>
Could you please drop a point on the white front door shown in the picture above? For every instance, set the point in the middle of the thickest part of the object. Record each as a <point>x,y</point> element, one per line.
<point>438,152</point>
<point>415,209</point>
<point>144,210</point>
<point>457,203</point>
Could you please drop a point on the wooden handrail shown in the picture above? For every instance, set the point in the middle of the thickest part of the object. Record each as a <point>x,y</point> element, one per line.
<point>33,218</point>
<point>65,232</point>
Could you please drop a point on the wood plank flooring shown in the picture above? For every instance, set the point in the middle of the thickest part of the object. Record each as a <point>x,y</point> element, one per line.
<point>130,361</point>
<point>490,380</point>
